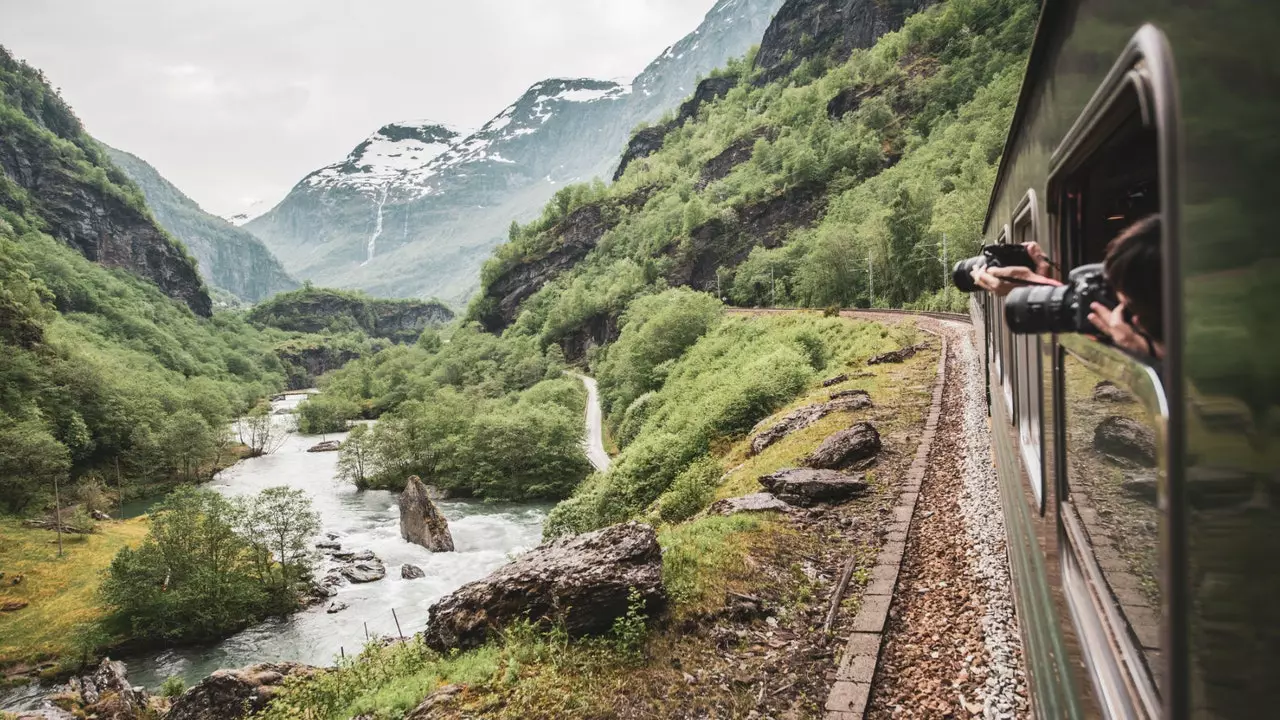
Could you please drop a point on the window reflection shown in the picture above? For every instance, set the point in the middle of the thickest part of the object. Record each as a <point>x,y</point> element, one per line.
<point>1113,485</point>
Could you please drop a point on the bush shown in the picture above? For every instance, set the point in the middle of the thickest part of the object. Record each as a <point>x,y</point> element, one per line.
<point>691,491</point>
<point>172,687</point>
<point>321,414</point>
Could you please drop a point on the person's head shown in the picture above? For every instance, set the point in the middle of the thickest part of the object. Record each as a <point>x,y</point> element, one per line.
<point>1133,268</point>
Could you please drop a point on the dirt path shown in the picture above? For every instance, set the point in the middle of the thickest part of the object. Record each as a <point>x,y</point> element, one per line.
<point>594,444</point>
<point>951,647</point>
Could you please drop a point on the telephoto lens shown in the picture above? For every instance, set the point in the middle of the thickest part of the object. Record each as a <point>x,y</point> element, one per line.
<point>992,256</point>
<point>1059,308</point>
<point>962,274</point>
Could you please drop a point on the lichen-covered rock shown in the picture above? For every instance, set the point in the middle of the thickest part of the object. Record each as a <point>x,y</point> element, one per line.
<point>437,700</point>
<point>853,447</point>
<point>107,694</point>
<point>420,521</point>
<point>1126,440</point>
<point>364,571</point>
<point>581,581</point>
<point>755,502</point>
<point>1106,391</point>
<point>802,418</point>
<point>806,487</point>
<point>896,356</point>
<point>326,446</point>
<point>234,694</point>
<point>842,377</point>
<point>411,572</point>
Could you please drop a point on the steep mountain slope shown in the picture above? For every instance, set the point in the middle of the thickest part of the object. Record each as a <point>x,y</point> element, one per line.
<point>423,224</point>
<point>320,310</point>
<point>791,190</point>
<point>229,258</point>
<point>52,170</point>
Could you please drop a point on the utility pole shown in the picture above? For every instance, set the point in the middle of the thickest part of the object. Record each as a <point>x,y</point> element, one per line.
<point>871,283</point>
<point>57,513</point>
<point>773,287</point>
<point>946,289</point>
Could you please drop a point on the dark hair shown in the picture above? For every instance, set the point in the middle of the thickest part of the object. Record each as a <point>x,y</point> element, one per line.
<point>1133,267</point>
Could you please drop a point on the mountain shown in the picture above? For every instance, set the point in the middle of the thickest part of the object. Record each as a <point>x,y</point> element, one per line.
<point>321,310</point>
<point>229,258</point>
<point>415,209</point>
<point>783,180</point>
<point>52,170</point>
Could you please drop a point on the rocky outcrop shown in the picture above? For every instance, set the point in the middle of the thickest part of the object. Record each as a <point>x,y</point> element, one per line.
<point>856,446</point>
<point>362,568</point>
<point>326,446</point>
<point>436,701</point>
<point>234,694</point>
<point>804,417</point>
<point>411,572</point>
<point>582,582</point>
<point>831,29</point>
<point>755,502</point>
<point>649,140</point>
<point>306,363</point>
<point>107,694</point>
<point>1125,440</point>
<point>896,356</point>
<point>420,521</point>
<point>843,377</point>
<point>1107,392</point>
<point>806,487</point>
<point>321,310</point>
<point>643,144</point>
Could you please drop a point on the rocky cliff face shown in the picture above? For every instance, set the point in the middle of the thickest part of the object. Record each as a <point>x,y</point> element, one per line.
<point>319,310</point>
<point>76,192</point>
<point>831,28</point>
<point>422,223</point>
<point>229,258</point>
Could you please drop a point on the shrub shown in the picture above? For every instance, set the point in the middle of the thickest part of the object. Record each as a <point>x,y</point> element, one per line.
<point>691,491</point>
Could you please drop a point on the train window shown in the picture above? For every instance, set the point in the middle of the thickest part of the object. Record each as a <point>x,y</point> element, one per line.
<point>1027,366</point>
<point>1111,417</point>
<point>1006,360</point>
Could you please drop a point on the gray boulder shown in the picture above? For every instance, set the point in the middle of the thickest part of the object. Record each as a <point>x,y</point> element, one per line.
<point>835,380</point>
<point>364,571</point>
<point>801,418</point>
<point>1123,439</point>
<point>755,502</point>
<point>1106,391</point>
<point>106,692</point>
<point>582,581</point>
<point>336,606</point>
<point>411,572</point>
<point>806,487</point>
<point>420,521</point>
<point>326,446</point>
<point>854,447</point>
<point>437,700</point>
<point>234,694</point>
<point>896,356</point>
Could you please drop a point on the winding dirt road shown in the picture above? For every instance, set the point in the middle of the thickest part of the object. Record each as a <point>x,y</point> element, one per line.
<point>594,443</point>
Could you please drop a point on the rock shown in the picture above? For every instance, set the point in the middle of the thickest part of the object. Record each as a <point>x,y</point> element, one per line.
<point>896,356</point>
<point>1142,486</point>
<point>1106,391</point>
<point>805,486</point>
<point>852,447</point>
<point>364,571</point>
<point>234,694</point>
<point>420,522</point>
<point>411,572</point>
<point>107,694</point>
<point>99,516</point>
<point>349,555</point>
<point>643,144</point>
<point>860,397</point>
<point>755,502</point>
<point>329,545</point>
<point>336,607</point>
<point>326,446</point>
<point>435,701</point>
<point>12,605</point>
<point>804,417</point>
<point>1123,439</point>
<point>843,377</point>
<point>581,581</point>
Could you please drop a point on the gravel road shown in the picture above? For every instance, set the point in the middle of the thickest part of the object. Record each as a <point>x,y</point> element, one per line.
<point>594,443</point>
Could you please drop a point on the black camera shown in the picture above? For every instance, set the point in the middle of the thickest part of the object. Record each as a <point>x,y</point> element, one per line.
<point>992,256</point>
<point>1059,308</point>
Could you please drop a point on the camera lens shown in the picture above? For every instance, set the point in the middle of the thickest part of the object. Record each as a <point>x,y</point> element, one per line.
<point>961,274</point>
<point>1040,309</point>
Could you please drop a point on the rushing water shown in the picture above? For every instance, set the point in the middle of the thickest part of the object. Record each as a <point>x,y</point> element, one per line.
<point>485,536</point>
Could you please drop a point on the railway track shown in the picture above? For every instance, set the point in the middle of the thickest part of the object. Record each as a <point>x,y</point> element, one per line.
<point>951,317</point>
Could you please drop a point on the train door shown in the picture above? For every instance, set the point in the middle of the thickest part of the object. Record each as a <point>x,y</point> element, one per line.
<point>1111,445</point>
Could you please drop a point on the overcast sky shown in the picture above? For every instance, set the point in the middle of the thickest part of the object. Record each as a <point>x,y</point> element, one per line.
<point>235,100</point>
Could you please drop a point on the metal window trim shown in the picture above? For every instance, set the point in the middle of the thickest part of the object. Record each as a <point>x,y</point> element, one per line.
<point>1008,364</point>
<point>1028,212</point>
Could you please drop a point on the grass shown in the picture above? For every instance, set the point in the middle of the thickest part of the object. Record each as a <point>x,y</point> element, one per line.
<point>61,592</point>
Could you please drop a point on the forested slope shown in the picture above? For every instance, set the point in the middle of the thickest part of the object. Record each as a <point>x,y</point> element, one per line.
<point>810,187</point>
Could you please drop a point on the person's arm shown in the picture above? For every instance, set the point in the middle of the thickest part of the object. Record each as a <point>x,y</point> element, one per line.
<point>1111,322</point>
<point>1002,281</point>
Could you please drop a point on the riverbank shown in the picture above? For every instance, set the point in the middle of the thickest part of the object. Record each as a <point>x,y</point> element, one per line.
<point>61,593</point>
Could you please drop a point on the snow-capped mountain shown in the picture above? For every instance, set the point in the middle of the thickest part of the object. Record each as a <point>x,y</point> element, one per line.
<point>415,209</point>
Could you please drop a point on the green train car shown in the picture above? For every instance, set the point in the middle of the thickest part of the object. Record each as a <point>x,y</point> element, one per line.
<point>1142,494</point>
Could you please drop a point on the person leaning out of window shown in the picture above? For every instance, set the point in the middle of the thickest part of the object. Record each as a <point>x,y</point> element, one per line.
<point>1132,269</point>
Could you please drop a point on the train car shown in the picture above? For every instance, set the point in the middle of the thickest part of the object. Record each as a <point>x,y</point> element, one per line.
<point>1141,493</point>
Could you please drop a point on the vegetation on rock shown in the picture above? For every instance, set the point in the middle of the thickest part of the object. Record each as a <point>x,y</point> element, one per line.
<point>322,310</point>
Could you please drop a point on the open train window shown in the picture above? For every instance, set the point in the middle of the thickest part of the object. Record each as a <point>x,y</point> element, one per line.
<point>1006,360</point>
<point>1111,417</point>
<point>1027,365</point>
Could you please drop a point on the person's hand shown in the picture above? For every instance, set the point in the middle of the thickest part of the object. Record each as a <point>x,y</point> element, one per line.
<point>1038,257</point>
<point>1001,281</point>
<point>1111,322</point>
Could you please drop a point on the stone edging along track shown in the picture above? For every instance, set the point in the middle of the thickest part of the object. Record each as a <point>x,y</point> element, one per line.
<point>852,689</point>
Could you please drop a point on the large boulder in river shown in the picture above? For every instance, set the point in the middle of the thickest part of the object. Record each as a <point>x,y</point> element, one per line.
<point>364,570</point>
<point>420,521</point>
<point>856,447</point>
<point>806,486</point>
<point>582,581</point>
<point>234,694</point>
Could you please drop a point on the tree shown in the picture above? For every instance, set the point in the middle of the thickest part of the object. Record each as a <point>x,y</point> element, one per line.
<point>355,463</point>
<point>259,433</point>
<point>322,414</point>
<point>279,523</point>
<point>524,453</point>
<point>30,460</point>
<point>187,442</point>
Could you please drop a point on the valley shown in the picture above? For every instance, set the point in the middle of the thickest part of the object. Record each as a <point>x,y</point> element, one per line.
<point>622,343</point>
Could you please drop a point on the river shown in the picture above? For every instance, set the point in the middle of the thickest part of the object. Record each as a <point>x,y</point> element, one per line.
<point>485,535</point>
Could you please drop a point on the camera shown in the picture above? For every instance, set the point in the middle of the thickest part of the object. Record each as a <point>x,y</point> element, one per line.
<point>992,256</point>
<point>1059,308</point>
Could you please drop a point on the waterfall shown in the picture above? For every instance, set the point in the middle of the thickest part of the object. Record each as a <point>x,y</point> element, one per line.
<point>377,230</point>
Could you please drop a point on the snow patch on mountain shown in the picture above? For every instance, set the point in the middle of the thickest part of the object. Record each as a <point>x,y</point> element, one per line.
<point>399,153</point>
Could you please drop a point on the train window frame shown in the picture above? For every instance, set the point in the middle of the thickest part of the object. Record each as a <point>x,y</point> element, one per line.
<point>1006,357</point>
<point>1029,366</point>
<point>1143,73</point>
